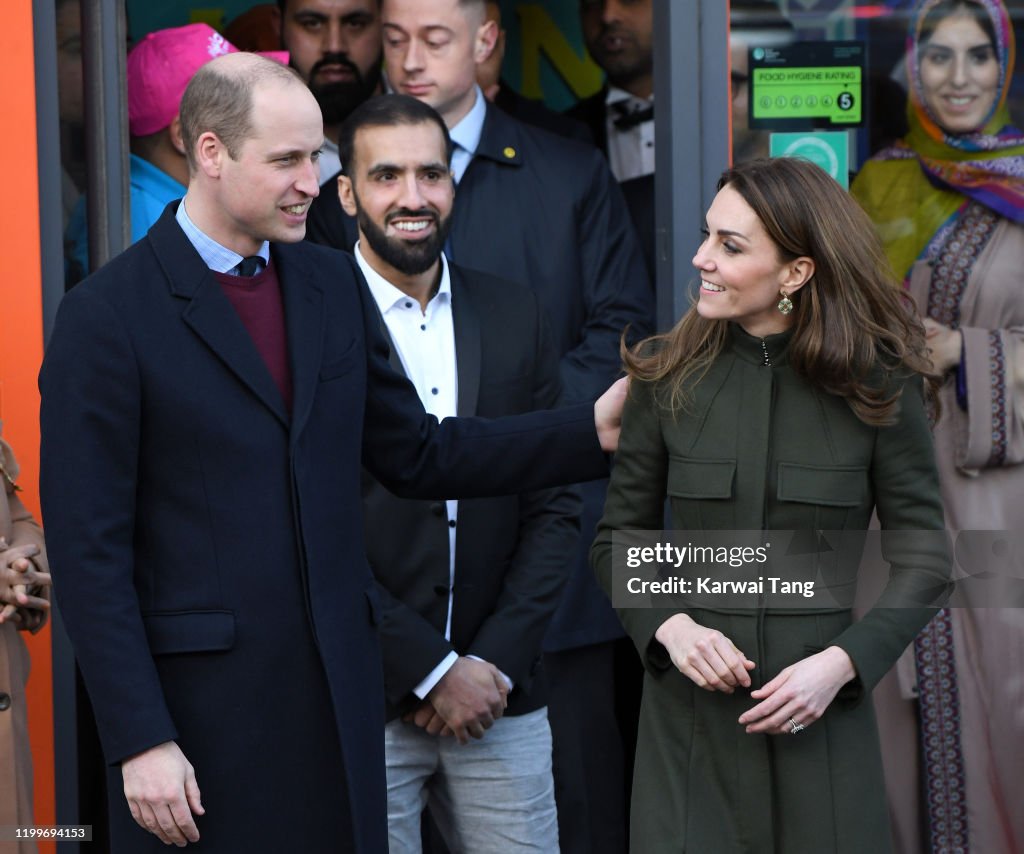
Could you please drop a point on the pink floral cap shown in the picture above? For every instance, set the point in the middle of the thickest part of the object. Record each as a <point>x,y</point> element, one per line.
<point>162,64</point>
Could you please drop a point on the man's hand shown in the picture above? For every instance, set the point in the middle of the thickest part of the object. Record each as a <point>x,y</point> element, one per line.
<point>19,576</point>
<point>470,697</point>
<point>162,793</point>
<point>608,414</point>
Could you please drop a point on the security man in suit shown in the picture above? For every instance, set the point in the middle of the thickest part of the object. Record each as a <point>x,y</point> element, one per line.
<point>209,399</point>
<point>467,587</point>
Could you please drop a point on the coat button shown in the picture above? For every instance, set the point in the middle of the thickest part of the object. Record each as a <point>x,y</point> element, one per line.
<point>441,589</point>
<point>5,702</point>
<point>437,508</point>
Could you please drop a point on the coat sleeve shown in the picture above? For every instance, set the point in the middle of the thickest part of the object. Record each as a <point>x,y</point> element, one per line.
<point>618,296</point>
<point>90,428</point>
<point>414,456</point>
<point>906,487</point>
<point>636,501</point>
<point>549,526</point>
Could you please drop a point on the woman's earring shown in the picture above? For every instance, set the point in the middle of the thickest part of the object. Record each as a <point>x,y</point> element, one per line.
<point>785,305</point>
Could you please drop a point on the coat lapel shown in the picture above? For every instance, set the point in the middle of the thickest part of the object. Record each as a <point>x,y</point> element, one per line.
<point>304,322</point>
<point>209,313</point>
<point>467,343</point>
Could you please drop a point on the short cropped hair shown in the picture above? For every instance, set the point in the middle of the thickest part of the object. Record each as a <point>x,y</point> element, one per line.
<point>221,103</point>
<point>387,111</point>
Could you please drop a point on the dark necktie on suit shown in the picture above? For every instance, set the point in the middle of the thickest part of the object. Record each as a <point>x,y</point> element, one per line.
<point>249,266</point>
<point>630,114</point>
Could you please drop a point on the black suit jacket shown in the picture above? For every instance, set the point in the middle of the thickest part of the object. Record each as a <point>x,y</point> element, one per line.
<point>512,554</point>
<point>592,112</point>
<point>207,544</point>
<point>545,212</point>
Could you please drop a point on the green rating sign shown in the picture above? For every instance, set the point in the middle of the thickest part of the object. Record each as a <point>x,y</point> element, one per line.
<point>828,149</point>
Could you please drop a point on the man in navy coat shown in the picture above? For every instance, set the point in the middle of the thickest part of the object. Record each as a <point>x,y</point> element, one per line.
<point>204,424</point>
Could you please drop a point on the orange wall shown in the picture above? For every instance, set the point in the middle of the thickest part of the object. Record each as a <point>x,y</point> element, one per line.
<point>21,338</point>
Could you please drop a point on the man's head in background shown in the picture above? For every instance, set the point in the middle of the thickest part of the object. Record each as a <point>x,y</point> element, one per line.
<point>619,37</point>
<point>335,45</point>
<point>433,48</point>
<point>397,182</point>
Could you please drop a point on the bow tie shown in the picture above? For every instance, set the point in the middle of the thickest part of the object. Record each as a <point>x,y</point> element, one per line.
<point>631,114</point>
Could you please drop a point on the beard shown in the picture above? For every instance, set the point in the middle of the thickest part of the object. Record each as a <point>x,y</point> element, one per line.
<point>408,257</point>
<point>338,100</point>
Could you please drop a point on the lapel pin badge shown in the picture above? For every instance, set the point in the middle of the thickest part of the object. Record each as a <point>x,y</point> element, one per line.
<point>509,152</point>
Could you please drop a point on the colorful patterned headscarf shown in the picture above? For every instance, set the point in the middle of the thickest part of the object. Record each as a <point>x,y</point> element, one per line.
<point>910,206</point>
<point>987,165</point>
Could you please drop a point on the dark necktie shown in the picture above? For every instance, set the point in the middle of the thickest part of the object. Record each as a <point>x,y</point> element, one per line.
<point>250,266</point>
<point>629,116</point>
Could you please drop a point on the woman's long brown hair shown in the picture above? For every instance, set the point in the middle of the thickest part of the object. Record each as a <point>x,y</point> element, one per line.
<point>854,329</point>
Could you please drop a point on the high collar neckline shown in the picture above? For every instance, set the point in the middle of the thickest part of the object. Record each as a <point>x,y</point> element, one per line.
<point>752,348</point>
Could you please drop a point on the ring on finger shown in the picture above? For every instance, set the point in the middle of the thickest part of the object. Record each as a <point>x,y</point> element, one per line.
<point>794,727</point>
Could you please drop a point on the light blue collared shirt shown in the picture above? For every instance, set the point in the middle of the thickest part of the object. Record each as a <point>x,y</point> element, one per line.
<point>218,258</point>
<point>466,135</point>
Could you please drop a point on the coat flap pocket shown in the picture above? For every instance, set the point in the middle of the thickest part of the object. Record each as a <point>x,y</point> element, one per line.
<point>189,631</point>
<point>690,478</point>
<point>831,486</point>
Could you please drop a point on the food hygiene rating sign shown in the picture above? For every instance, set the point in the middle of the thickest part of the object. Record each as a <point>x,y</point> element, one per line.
<point>810,84</point>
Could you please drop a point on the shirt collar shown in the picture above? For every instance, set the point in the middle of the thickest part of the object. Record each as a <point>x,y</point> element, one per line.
<point>386,295</point>
<point>466,134</point>
<point>616,96</point>
<point>216,256</point>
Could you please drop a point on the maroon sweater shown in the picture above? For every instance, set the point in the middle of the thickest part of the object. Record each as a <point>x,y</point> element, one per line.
<point>258,302</point>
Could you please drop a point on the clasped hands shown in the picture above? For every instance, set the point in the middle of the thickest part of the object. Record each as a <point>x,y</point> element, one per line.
<point>800,692</point>
<point>465,703</point>
<point>21,586</point>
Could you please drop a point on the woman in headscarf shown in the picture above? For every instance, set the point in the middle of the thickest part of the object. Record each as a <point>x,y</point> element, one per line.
<point>24,605</point>
<point>948,201</point>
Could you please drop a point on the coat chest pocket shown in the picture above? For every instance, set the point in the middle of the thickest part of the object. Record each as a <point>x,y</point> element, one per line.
<point>340,366</point>
<point>700,493</point>
<point>827,486</point>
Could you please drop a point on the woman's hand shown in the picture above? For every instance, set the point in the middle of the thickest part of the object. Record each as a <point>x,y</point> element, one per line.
<point>20,584</point>
<point>944,343</point>
<point>801,693</point>
<point>704,655</point>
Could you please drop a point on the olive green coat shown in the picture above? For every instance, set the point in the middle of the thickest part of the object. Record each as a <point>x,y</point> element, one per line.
<point>759,449</point>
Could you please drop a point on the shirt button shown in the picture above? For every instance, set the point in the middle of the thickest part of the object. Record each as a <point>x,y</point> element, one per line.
<point>433,391</point>
<point>451,523</point>
<point>5,702</point>
<point>423,326</point>
<point>408,305</point>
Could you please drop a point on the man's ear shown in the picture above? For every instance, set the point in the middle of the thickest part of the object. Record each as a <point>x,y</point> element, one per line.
<point>797,273</point>
<point>347,195</point>
<point>210,154</point>
<point>486,39</point>
<point>176,139</point>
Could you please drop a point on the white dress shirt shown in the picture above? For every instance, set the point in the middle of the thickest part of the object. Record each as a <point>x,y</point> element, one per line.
<point>425,344</point>
<point>630,150</point>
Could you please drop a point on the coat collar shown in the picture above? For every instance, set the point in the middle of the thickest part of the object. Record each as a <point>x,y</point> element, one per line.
<point>501,139</point>
<point>213,319</point>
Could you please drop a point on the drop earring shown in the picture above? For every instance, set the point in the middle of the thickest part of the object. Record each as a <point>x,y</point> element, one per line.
<point>785,305</point>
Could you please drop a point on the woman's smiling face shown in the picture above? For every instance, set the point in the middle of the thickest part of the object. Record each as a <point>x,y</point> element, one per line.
<point>740,269</point>
<point>959,74</point>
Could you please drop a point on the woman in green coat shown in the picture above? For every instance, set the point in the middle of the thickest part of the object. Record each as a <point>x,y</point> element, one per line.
<point>790,397</point>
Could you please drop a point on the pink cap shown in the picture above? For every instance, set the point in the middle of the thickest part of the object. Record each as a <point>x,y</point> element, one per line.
<point>160,67</point>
